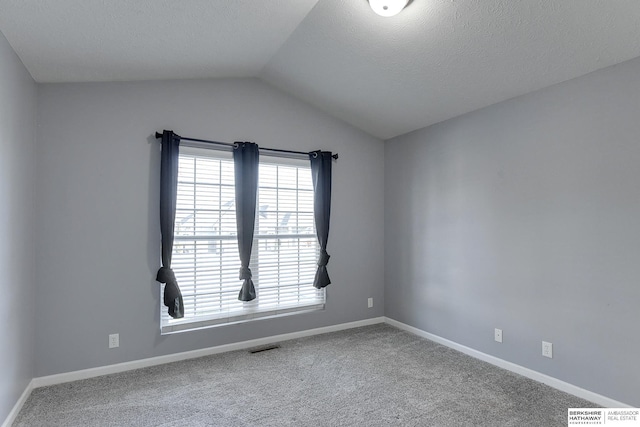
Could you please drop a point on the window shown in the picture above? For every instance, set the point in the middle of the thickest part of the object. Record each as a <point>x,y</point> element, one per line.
<point>205,250</point>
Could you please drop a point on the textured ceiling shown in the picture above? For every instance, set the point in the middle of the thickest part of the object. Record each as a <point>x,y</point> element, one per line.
<point>388,76</point>
<point>106,40</point>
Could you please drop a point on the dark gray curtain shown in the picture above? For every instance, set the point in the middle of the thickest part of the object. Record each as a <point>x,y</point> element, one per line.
<point>168,191</point>
<point>321,175</point>
<point>245,160</point>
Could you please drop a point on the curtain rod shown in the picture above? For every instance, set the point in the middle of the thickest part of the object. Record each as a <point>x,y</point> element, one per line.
<point>159,135</point>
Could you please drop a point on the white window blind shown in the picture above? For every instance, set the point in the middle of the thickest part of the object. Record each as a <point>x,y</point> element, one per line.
<point>205,250</point>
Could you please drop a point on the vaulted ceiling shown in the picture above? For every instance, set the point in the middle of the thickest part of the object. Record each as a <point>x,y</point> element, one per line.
<point>387,76</point>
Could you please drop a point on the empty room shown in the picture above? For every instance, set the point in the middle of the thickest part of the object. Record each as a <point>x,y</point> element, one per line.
<point>320,212</point>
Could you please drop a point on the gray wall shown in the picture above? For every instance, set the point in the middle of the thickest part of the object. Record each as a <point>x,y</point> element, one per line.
<point>99,242</point>
<point>525,216</point>
<point>18,102</point>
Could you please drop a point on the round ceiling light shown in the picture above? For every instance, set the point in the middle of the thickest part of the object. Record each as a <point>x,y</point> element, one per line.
<point>387,7</point>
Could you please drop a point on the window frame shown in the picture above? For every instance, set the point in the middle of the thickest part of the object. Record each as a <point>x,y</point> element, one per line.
<point>250,311</point>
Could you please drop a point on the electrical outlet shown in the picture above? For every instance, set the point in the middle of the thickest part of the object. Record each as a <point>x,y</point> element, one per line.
<point>498,335</point>
<point>370,302</point>
<point>547,349</point>
<point>114,340</point>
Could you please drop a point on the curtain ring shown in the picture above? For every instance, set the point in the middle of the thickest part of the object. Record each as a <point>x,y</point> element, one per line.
<point>315,154</point>
<point>236,145</point>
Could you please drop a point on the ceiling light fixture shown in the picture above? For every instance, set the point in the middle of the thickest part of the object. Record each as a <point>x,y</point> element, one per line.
<point>388,7</point>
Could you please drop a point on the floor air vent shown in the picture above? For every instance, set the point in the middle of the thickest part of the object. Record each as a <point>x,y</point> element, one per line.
<point>264,348</point>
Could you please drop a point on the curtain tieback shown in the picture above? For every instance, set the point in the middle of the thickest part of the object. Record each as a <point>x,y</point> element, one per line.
<point>324,259</point>
<point>245,273</point>
<point>166,275</point>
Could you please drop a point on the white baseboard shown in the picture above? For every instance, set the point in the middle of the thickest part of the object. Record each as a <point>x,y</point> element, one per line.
<point>153,361</point>
<point>18,406</point>
<point>525,372</point>
<point>159,360</point>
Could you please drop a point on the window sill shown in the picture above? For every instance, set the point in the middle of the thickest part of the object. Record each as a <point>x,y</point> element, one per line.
<point>192,324</point>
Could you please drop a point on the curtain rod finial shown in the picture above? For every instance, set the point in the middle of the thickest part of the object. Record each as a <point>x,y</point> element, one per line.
<point>335,156</point>
<point>158,135</point>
